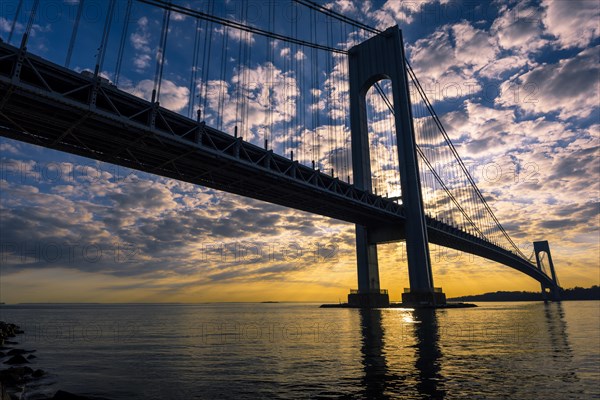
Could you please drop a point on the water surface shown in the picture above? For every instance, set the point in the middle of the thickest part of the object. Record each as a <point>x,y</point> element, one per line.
<point>523,350</point>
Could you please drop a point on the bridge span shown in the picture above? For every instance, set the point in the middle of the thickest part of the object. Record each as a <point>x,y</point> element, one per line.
<point>51,106</point>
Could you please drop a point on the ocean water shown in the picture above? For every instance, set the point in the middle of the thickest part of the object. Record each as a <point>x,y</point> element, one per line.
<point>289,350</point>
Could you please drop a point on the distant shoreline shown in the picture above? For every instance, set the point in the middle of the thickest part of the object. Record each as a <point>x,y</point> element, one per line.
<point>476,298</point>
<point>577,293</point>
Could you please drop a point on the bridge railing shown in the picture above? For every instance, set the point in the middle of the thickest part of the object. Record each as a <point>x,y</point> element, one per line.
<point>435,290</point>
<point>380,291</point>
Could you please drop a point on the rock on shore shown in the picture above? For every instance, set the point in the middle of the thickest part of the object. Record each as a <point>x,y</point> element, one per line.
<point>62,395</point>
<point>15,377</point>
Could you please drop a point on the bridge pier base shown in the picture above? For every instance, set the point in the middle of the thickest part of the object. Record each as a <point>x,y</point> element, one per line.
<point>427,299</point>
<point>369,294</point>
<point>374,299</point>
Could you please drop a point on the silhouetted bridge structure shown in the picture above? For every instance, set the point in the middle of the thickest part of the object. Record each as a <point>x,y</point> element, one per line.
<point>53,106</point>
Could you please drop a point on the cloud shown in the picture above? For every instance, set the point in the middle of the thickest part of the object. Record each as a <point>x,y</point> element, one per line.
<point>573,23</point>
<point>142,61</point>
<point>172,97</point>
<point>523,166</point>
<point>342,6</point>
<point>267,93</point>
<point>285,52</point>
<point>143,195</point>
<point>568,87</point>
<point>394,12</point>
<point>5,25</point>
<point>474,47</point>
<point>140,40</point>
<point>175,16</point>
<point>497,69</point>
<point>519,27</point>
<point>235,34</point>
<point>174,230</point>
<point>6,147</point>
<point>448,61</point>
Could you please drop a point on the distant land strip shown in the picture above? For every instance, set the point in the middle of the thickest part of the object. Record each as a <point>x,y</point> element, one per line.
<point>576,293</point>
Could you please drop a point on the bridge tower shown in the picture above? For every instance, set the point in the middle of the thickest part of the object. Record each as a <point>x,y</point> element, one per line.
<point>544,247</point>
<point>382,57</point>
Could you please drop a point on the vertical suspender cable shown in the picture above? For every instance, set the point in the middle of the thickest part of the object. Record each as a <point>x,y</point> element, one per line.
<point>269,84</point>
<point>301,104</point>
<point>246,71</point>
<point>238,92</point>
<point>313,85</point>
<point>105,35</point>
<point>74,33</point>
<point>32,15</point>
<point>14,22</point>
<point>123,40</point>
<point>272,83</point>
<point>330,145</point>
<point>222,86</point>
<point>162,48</point>
<point>206,59</point>
<point>194,71</point>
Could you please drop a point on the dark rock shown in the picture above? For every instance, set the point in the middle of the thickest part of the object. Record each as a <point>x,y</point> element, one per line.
<point>9,378</point>
<point>9,342</point>
<point>15,375</point>
<point>38,373</point>
<point>18,359</point>
<point>62,395</point>
<point>25,370</point>
<point>31,357</point>
<point>2,354</point>
<point>14,352</point>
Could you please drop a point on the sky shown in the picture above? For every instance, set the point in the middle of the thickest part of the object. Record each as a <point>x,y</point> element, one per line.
<point>515,83</point>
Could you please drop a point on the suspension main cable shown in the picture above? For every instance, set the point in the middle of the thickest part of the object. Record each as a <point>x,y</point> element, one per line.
<point>237,25</point>
<point>338,16</point>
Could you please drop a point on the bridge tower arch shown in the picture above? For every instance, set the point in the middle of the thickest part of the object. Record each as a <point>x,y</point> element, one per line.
<point>544,247</point>
<point>382,57</point>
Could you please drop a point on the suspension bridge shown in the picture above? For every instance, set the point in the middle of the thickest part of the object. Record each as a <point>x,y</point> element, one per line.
<point>293,103</point>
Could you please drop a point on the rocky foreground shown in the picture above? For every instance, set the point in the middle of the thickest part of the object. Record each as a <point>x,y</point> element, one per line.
<point>14,379</point>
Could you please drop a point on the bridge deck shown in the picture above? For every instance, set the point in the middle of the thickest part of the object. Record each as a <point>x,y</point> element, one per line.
<point>51,106</point>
